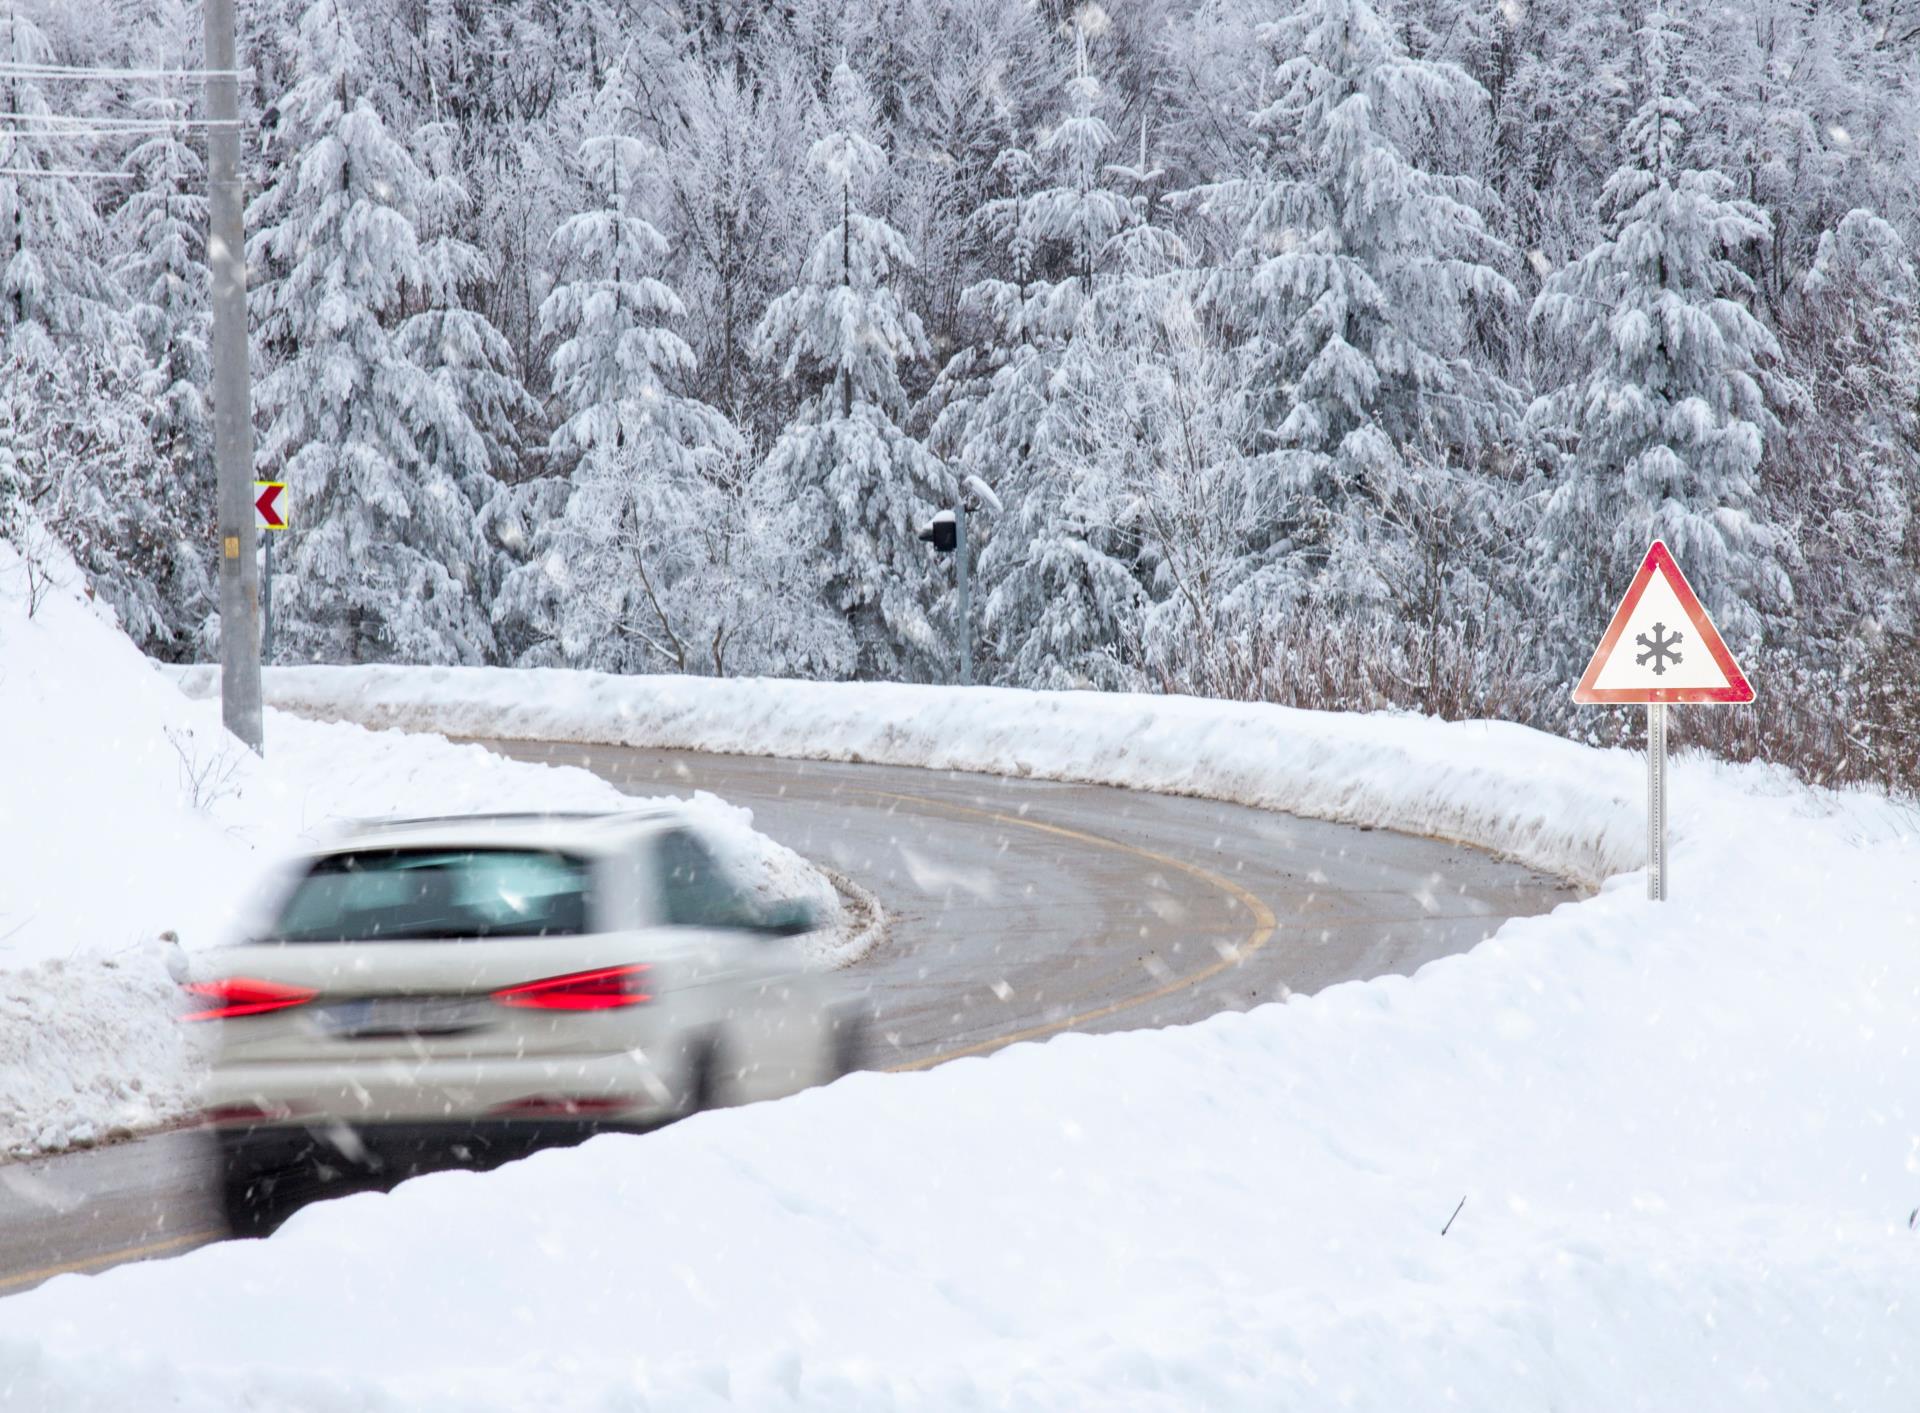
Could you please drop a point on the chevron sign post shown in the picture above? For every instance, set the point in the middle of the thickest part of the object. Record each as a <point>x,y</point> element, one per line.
<point>269,513</point>
<point>1661,649</point>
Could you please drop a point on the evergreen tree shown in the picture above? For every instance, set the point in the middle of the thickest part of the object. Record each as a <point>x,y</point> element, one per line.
<point>1846,472</point>
<point>842,333</point>
<point>53,288</point>
<point>457,344</point>
<point>1060,595</point>
<point>739,222</point>
<point>1357,290</point>
<point>161,228</point>
<point>1660,415</point>
<point>71,390</point>
<point>449,337</point>
<point>616,581</point>
<point>375,448</point>
<point>993,393</point>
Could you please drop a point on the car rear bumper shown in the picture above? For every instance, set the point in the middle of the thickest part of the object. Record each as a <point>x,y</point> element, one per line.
<point>622,1089</point>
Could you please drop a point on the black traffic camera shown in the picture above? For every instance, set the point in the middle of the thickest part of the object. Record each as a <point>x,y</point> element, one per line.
<point>943,533</point>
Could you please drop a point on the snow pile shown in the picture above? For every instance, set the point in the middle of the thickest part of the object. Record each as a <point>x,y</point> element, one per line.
<point>1547,802</point>
<point>131,823</point>
<point>103,852</point>
<point>1687,1138</point>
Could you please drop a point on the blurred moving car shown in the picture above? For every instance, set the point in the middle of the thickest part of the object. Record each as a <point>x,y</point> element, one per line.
<point>438,992</point>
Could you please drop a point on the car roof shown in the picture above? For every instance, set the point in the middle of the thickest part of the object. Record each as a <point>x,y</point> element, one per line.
<point>574,831</point>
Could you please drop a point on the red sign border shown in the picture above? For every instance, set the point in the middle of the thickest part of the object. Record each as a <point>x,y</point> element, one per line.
<point>1737,692</point>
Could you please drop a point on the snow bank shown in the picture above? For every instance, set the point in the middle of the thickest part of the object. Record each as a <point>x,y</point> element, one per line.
<point>1678,1143</point>
<point>132,824</point>
<point>1548,802</point>
<point>101,851</point>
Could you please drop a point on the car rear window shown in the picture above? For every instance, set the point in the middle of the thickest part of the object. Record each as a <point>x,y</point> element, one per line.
<point>395,895</point>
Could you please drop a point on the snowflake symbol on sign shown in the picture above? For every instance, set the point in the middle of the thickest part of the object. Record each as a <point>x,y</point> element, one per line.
<point>1660,650</point>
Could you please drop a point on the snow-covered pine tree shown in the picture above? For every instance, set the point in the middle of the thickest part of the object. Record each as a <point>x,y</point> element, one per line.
<point>735,139</point>
<point>1560,83</point>
<point>450,337</point>
<point>1058,602</point>
<point>47,289</point>
<point>453,341</point>
<point>160,232</point>
<point>70,390</point>
<point>1151,499</point>
<point>840,335</point>
<point>991,395</point>
<point>615,580</point>
<point>1846,475</point>
<point>1659,405</point>
<point>374,447</point>
<point>1357,292</point>
<point>1079,211</point>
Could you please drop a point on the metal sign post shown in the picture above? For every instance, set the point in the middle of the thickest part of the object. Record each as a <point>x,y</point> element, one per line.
<point>947,533</point>
<point>966,602</point>
<point>266,605</point>
<point>1657,801</point>
<point>1660,648</point>
<point>268,514</point>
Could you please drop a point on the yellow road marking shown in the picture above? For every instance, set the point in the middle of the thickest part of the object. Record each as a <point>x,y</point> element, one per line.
<point>1264,923</point>
<point>111,1258</point>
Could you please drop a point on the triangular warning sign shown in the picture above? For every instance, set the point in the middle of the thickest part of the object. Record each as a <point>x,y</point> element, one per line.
<point>1661,646</point>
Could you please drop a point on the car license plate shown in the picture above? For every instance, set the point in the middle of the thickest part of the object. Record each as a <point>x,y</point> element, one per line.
<point>402,1015</point>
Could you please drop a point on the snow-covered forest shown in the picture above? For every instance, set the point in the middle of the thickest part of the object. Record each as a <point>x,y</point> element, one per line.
<point>1330,353</point>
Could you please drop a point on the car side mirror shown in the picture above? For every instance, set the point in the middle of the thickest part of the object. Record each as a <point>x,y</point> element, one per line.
<point>790,918</point>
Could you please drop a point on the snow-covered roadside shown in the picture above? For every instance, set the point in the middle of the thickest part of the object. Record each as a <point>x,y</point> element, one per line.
<point>1687,1137</point>
<point>131,825</point>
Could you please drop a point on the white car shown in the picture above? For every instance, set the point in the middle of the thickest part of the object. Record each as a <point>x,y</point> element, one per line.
<point>469,988</point>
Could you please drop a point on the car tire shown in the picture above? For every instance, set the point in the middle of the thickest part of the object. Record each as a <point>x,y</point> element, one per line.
<point>847,1047</point>
<point>703,1077</point>
<point>249,1201</point>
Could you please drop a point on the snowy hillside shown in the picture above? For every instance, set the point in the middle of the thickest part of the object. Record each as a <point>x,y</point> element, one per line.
<point>129,816</point>
<point>1624,1156</point>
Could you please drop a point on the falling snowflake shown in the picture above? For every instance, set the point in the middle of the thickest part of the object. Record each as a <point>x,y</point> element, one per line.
<point>1660,650</point>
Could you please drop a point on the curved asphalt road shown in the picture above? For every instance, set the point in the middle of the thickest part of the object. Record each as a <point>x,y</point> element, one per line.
<point>1018,909</point>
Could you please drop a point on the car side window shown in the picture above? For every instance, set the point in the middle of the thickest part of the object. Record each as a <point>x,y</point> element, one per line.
<point>694,888</point>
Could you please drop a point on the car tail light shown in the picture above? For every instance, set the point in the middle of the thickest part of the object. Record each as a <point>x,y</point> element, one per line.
<point>245,996</point>
<point>246,1113</point>
<point>561,1106</point>
<point>606,989</point>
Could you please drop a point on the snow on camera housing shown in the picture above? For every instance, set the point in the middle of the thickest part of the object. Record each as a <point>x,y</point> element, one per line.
<point>458,991</point>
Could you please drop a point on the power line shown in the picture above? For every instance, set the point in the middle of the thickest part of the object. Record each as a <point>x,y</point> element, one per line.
<point>67,172</point>
<point>53,137</point>
<point>53,72</point>
<point>60,122</point>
